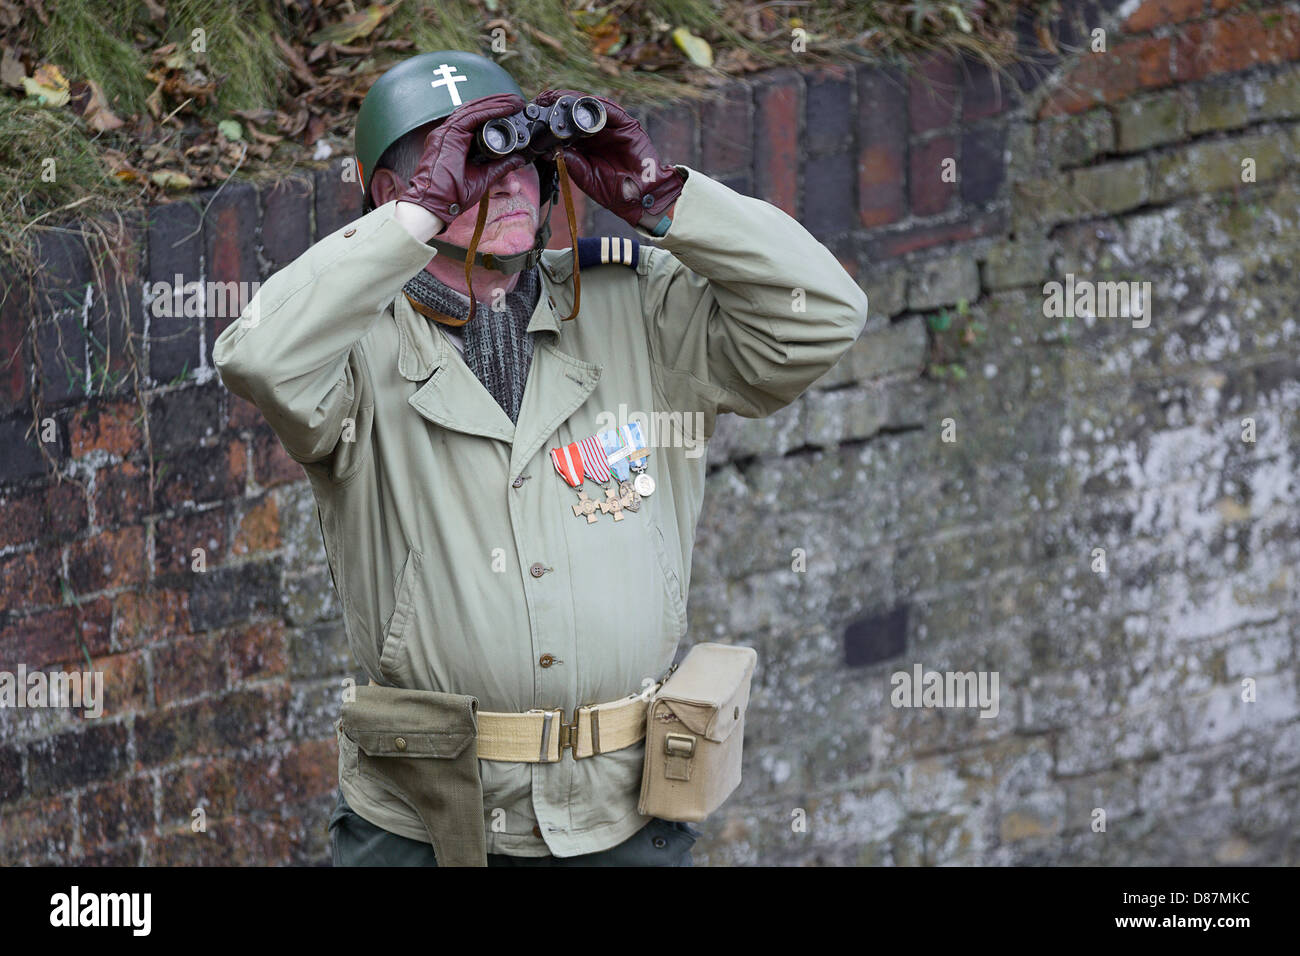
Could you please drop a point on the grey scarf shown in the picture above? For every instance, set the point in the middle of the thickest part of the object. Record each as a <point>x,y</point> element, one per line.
<point>498,347</point>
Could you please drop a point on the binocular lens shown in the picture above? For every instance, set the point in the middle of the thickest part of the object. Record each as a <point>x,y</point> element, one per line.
<point>588,115</point>
<point>498,137</point>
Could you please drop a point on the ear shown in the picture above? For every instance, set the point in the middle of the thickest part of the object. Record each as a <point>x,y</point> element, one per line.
<point>385,186</point>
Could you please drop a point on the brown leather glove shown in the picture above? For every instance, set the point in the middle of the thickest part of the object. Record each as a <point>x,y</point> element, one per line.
<point>611,166</point>
<point>445,182</point>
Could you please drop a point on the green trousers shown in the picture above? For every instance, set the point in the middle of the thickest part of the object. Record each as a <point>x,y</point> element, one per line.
<point>358,842</point>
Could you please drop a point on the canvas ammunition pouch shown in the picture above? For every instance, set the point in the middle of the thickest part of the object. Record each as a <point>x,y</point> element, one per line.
<point>695,727</point>
<point>421,746</point>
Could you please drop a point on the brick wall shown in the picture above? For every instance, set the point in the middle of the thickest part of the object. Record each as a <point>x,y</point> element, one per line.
<point>1119,690</point>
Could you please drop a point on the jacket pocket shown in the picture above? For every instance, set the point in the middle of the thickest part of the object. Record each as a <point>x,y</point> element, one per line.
<point>392,651</point>
<point>672,583</point>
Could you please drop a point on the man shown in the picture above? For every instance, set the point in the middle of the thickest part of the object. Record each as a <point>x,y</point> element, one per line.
<point>468,558</point>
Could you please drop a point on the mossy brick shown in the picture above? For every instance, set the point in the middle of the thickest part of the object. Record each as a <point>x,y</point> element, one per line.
<point>1148,121</point>
<point>899,348</point>
<point>1111,188</point>
<point>319,651</point>
<point>1279,96</point>
<point>1213,166</point>
<point>943,282</point>
<point>1074,140</point>
<point>886,289</point>
<point>1218,105</point>
<point>1012,264</point>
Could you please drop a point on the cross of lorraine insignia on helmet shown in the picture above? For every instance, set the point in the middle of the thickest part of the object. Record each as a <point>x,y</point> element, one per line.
<point>445,72</point>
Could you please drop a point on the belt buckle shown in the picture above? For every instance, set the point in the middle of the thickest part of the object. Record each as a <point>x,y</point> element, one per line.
<point>568,734</point>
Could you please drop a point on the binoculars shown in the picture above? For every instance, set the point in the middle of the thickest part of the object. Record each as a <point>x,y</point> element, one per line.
<point>536,130</point>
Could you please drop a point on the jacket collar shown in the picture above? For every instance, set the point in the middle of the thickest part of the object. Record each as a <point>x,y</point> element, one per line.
<point>558,383</point>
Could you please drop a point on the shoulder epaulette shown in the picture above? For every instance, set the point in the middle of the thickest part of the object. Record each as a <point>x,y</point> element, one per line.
<point>601,250</point>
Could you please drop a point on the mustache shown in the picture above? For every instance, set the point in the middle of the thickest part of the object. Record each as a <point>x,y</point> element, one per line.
<point>513,206</point>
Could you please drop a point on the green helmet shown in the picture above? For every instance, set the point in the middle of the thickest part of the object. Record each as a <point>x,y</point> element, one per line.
<point>424,88</point>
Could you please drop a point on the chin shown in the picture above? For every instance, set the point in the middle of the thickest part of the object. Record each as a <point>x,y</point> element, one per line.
<point>516,238</point>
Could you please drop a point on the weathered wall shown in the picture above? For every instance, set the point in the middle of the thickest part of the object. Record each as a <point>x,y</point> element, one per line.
<point>1119,690</point>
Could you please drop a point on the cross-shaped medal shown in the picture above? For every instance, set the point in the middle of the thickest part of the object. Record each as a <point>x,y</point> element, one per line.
<point>586,506</point>
<point>613,501</point>
<point>449,81</point>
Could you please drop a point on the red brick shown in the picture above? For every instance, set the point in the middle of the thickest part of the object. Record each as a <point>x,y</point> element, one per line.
<point>57,636</point>
<point>929,194</point>
<point>271,463</point>
<point>115,812</point>
<point>1152,59</point>
<point>776,141</point>
<point>15,354</point>
<point>894,244</point>
<point>176,538</point>
<point>37,832</point>
<point>112,428</point>
<point>244,414</point>
<point>301,773</point>
<point>672,130</point>
<point>113,559</point>
<point>258,528</point>
<point>258,651</point>
<point>932,92</point>
<point>212,785</point>
<point>880,185</point>
<point>142,618</point>
<point>31,515</point>
<point>126,682</point>
<point>202,475</point>
<point>31,579</point>
<point>212,725</point>
<point>188,668</point>
<point>1155,13</point>
<point>121,494</point>
<point>727,131</point>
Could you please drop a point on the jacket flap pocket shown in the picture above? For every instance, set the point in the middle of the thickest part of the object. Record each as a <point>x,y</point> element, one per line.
<point>395,722</point>
<point>710,690</point>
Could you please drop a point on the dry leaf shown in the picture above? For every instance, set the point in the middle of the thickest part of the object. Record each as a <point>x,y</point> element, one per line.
<point>355,26</point>
<point>696,48</point>
<point>169,179</point>
<point>96,112</point>
<point>48,84</point>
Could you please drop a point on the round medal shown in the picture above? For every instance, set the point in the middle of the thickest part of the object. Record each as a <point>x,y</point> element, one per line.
<point>644,485</point>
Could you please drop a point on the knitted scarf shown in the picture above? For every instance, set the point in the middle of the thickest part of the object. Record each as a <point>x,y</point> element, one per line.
<point>498,348</point>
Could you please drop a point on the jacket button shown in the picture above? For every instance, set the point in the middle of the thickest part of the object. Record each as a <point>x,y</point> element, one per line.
<point>518,482</point>
<point>349,234</point>
<point>647,201</point>
<point>537,570</point>
<point>660,843</point>
<point>537,831</point>
<point>454,209</point>
<point>400,743</point>
<point>546,660</point>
